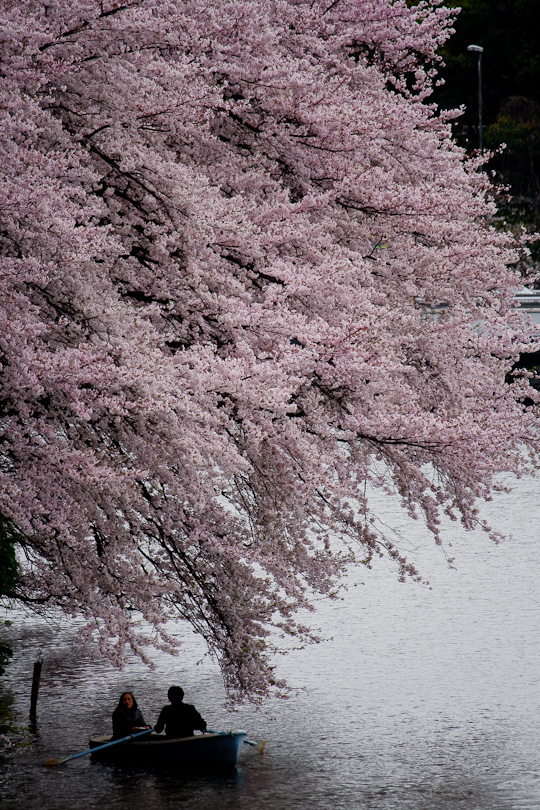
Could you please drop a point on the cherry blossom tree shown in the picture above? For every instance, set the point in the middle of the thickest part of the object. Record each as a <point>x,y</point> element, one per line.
<point>225,230</point>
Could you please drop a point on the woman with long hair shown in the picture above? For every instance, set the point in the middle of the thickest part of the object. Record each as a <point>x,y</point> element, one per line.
<point>127,717</point>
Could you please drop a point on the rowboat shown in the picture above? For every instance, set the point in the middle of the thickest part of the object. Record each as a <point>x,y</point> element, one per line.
<point>218,749</point>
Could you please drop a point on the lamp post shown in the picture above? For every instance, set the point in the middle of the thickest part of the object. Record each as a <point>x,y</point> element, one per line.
<point>479,50</point>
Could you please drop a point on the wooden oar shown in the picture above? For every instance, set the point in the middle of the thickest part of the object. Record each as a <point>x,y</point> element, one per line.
<point>51,763</point>
<point>260,745</point>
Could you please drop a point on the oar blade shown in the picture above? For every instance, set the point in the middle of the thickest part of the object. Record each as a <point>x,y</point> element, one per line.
<point>260,745</point>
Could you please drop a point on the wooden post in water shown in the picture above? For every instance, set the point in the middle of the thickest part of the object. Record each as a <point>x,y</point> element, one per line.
<point>36,677</point>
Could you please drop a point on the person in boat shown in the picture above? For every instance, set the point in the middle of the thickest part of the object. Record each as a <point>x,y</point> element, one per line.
<point>179,719</point>
<point>127,717</point>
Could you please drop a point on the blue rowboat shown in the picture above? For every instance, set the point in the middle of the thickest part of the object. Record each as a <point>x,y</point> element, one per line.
<point>218,749</point>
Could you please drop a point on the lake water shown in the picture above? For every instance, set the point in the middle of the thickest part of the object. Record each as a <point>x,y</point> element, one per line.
<point>417,699</point>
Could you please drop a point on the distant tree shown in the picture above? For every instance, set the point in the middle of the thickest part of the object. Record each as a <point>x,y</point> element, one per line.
<point>518,127</point>
<point>8,578</point>
<point>8,559</point>
<point>223,226</point>
<point>509,32</point>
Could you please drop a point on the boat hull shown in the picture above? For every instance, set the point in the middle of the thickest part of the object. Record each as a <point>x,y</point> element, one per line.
<point>220,749</point>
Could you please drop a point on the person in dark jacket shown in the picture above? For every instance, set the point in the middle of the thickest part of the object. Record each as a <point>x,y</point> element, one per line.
<point>127,717</point>
<point>179,719</point>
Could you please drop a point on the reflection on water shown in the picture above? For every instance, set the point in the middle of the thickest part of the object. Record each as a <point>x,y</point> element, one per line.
<point>418,699</point>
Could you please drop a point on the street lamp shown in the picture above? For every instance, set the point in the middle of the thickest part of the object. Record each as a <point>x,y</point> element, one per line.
<point>479,50</point>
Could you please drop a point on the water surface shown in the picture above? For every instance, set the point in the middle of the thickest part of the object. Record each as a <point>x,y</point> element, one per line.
<point>416,699</point>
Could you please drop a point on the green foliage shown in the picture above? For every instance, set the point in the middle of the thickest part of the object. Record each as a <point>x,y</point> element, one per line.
<point>8,576</point>
<point>5,654</point>
<point>509,32</point>
<point>20,736</point>
<point>8,560</point>
<point>518,126</point>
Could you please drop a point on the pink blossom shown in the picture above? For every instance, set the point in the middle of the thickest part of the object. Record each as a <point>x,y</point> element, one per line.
<point>202,353</point>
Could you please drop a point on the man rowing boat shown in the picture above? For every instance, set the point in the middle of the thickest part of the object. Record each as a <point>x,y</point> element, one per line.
<point>179,719</point>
